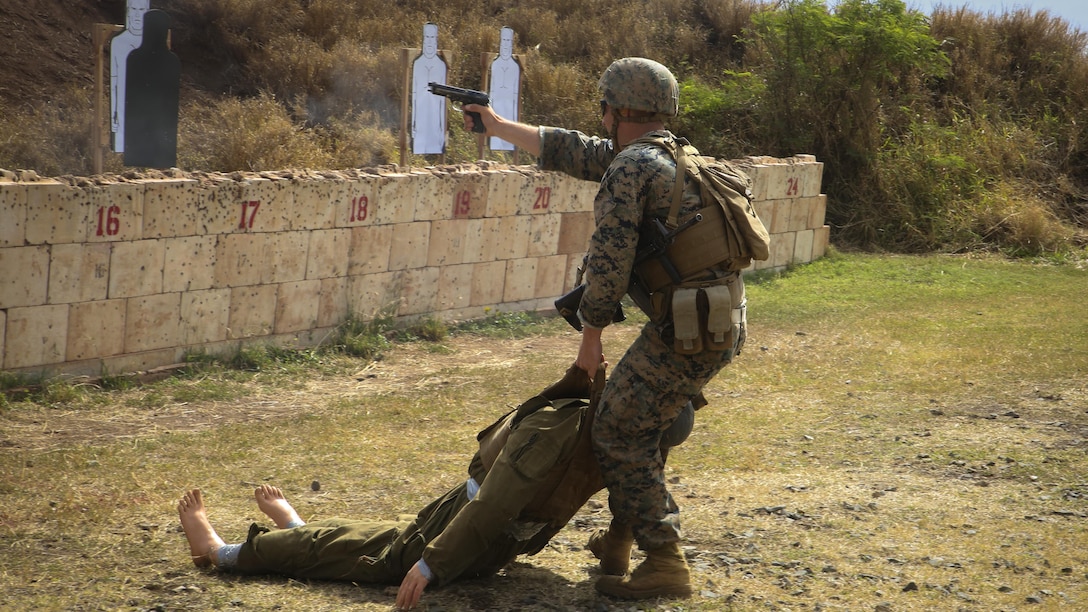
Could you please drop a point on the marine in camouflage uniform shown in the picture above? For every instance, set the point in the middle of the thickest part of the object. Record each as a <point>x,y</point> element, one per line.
<point>652,382</point>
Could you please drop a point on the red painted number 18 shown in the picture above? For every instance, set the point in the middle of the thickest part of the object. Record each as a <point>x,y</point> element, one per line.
<point>359,208</point>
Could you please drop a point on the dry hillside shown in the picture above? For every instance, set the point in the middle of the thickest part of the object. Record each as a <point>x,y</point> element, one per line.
<point>47,47</point>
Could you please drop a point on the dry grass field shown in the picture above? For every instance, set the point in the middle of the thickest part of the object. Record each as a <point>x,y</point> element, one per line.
<point>898,434</point>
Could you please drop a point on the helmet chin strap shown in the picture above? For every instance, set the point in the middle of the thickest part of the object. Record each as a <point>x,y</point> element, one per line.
<point>640,118</point>
<point>615,128</point>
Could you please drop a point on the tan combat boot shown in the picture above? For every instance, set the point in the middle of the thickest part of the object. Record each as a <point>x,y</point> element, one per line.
<point>664,573</point>
<point>613,547</point>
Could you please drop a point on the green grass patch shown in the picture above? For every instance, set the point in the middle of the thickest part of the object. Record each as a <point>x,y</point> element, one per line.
<point>509,325</point>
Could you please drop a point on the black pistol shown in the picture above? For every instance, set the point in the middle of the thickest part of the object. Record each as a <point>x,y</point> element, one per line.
<point>654,241</point>
<point>567,306</point>
<point>464,96</point>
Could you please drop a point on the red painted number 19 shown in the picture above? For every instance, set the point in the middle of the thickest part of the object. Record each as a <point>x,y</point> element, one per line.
<point>462,203</point>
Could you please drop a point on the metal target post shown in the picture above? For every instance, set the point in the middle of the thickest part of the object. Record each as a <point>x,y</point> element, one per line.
<point>101,34</point>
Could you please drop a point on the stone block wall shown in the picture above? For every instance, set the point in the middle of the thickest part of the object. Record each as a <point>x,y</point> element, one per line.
<point>119,274</point>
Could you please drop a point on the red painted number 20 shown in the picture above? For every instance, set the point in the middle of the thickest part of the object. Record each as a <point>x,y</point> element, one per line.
<point>543,198</point>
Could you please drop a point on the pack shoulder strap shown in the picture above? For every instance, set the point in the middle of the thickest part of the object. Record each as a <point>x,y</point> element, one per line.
<point>678,186</point>
<point>678,148</point>
<point>675,147</point>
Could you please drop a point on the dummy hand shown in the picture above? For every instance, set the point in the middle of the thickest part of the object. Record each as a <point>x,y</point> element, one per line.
<point>411,589</point>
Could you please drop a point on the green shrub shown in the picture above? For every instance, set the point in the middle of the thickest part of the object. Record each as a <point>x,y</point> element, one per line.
<point>722,117</point>
<point>252,358</point>
<point>506,324</point>
<point>365,338</point>
<point>430,329</point>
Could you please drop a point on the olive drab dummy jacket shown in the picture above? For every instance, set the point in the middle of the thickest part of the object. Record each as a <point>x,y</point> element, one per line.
<point>536,469</point>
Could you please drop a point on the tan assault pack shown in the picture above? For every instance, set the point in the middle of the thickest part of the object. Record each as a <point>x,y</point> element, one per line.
<point>729,230</point>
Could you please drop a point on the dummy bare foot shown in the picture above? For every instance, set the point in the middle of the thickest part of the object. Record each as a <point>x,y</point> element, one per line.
<point>203,540</point>
<point>272,502</point>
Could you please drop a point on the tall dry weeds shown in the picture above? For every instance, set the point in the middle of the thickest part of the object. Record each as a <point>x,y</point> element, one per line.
<point>251,134</point>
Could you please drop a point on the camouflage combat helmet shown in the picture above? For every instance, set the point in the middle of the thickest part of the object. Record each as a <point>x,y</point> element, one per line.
<point>640,84</point>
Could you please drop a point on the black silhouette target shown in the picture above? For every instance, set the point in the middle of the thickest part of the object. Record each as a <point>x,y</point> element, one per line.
<point>151,98</point>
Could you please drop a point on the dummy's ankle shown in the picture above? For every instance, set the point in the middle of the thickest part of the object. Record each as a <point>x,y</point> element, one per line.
<point>226,556</point>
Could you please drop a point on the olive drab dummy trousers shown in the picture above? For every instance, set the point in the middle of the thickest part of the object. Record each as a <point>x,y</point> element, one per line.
<point>542,474</point>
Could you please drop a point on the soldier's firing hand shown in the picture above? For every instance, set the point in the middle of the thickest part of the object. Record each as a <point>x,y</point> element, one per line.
<point>524,136</point>
<point>487,116</point>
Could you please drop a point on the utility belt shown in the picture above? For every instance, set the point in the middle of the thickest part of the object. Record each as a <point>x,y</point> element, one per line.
<point>705,315</point>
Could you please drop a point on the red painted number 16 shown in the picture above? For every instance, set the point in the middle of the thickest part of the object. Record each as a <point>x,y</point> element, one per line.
<point>108,223</point>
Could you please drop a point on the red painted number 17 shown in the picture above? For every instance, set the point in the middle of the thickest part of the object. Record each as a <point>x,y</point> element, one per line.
<point>249,207</point>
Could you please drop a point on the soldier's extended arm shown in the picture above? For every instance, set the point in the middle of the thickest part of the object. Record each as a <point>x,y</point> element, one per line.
<point>464,96</point>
